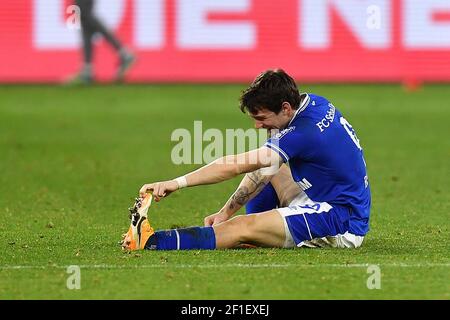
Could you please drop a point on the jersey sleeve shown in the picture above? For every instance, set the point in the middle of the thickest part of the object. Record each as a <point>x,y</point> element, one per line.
<point>290,143</point>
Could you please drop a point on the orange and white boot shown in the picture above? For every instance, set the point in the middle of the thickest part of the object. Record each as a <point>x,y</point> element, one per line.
<point>140,229</point>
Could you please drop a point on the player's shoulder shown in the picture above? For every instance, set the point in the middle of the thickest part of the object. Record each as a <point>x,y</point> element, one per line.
<point>317,100</point>
<point>318,107</point>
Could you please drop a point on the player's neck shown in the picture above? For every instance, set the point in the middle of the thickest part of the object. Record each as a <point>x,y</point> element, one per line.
<point>294,114</point>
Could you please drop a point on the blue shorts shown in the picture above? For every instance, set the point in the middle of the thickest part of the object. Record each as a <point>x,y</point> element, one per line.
<point>308,223</point>
<point>317,224</point>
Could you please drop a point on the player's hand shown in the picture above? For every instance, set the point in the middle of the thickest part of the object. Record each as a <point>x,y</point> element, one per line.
<point>215,218</point>
<point>159,189</point>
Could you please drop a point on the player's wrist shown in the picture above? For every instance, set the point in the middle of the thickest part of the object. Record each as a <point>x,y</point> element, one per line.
<point>181,182</point>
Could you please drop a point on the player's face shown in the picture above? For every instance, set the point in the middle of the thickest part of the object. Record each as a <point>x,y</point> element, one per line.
<point>266,119</point>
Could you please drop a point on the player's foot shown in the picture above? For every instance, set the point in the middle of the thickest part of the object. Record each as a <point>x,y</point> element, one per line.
<point>126,61</point>
<point>81,78</point>
<point>140,229</point>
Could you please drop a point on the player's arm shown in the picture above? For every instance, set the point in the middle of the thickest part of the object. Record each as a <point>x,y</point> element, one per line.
<point>219,170</point>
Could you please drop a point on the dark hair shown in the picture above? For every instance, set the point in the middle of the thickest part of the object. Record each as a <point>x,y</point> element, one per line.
<point>268,91</point>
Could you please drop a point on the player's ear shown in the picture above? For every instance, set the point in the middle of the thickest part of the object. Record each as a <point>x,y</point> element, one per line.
<point>286,107</point>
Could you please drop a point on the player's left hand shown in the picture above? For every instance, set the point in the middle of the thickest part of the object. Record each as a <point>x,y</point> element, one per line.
<point>215,218</point>
<point>159,189</point>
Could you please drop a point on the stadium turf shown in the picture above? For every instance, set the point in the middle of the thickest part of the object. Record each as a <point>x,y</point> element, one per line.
<point>73,159</point>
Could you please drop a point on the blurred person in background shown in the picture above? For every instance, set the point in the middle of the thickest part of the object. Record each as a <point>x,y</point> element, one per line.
<point>90,25</point>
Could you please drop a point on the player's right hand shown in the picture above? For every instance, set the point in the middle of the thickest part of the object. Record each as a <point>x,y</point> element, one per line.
<point>215,218</point>
<point>159,189</point>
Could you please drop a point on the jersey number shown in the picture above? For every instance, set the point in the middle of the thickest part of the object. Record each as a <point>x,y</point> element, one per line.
<point>351,132</point>
<point>314,207</point>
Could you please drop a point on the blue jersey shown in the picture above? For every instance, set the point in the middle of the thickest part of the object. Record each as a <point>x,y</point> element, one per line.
<point>326,159</point>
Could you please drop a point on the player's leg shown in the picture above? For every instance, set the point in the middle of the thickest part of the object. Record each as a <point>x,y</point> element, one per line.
<point>262,229</point>
<point>285,187</point>
<point>126,57</point>
<point>106,33</point>
<point>86,7</point>
<point>265,229</point>
<point>307,223</point>
<point>87,32</point>
<point>91,22</point>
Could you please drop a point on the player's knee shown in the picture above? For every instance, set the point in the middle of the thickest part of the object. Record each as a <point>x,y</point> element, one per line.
<point>245,227</point>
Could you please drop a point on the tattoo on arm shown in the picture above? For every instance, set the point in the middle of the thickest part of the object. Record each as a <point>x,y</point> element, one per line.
<point>241,196</point>
<point>253,176</point>
<point>244,192</point>
<point>258,180</point>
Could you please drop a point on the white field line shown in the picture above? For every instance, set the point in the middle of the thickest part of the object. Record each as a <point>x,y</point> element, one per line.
<point>230,265</point>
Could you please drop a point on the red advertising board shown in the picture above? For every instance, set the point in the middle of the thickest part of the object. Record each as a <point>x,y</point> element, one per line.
<point>233,40</point>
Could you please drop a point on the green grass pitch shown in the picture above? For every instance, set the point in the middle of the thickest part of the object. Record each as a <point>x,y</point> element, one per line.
<point>73,159</point>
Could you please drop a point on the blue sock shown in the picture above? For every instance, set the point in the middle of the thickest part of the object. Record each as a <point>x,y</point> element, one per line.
<point>183,239</point>
<point>266,200</point>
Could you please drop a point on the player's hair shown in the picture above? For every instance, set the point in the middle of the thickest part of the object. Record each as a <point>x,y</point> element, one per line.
<point>268,91</point>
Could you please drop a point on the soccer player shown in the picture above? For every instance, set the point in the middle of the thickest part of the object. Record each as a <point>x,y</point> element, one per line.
<point>307,186</point>
<point>90,25</point>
